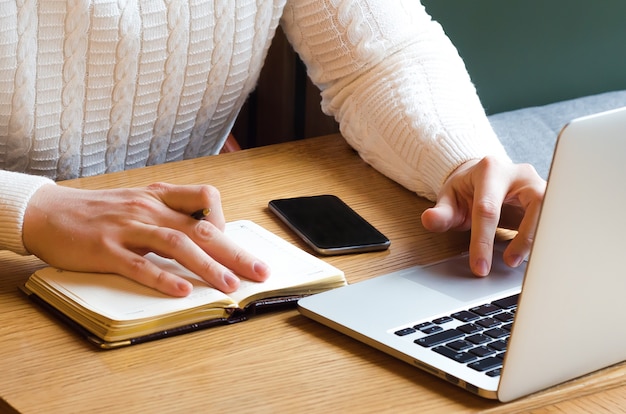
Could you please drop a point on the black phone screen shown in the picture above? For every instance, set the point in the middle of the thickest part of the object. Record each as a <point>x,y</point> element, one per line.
<point>328,224</point>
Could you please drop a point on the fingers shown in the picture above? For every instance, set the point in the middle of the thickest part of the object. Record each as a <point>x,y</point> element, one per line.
<point>107,231</point>
<point>143,271</point>
<point>487,194</point>
<point>189,199</point>
<point>444,216</point>
<point>223,250</point>
<point>204,250</point>
<point>454,203</point>
<point>519,248</point>
<point>212,255</point>
<point>485,217</point>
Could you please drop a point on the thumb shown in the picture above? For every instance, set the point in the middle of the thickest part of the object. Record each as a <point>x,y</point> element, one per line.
<point>439,218</point>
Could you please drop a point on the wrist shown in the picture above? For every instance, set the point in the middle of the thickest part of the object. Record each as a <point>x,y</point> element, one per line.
<point>36,215</point>
<point>16,191</point>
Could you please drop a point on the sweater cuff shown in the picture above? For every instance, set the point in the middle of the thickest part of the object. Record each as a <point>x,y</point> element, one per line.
<point>15,192</point>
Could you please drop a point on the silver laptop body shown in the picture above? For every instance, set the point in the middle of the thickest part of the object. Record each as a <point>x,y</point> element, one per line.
<point>569,317</point>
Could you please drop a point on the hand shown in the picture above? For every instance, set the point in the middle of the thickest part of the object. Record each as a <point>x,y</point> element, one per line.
<point>486,194</point>
<point>109,231</point>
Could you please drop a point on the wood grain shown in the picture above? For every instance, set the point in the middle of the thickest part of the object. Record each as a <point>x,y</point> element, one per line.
<point>279,362</point>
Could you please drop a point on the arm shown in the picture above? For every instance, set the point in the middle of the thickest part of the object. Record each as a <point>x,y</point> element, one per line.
<point>397,86</point>
<point>404,100</point>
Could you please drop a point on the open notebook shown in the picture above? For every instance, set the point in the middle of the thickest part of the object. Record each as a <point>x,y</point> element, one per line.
<point>112,311</point>
<point>520,330</point>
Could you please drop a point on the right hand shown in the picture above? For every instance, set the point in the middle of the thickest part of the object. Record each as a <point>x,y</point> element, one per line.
<point>483,195</point>
<point>109,231</point>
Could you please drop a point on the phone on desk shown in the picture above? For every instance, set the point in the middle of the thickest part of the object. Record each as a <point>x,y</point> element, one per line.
<point>328,225</point>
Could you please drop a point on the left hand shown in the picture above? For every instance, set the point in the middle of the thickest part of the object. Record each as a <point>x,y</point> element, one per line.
<point>110,231</point>
<point>484,195</point>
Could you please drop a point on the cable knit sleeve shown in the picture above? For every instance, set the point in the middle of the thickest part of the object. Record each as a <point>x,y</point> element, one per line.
<point>15,191</point>
<point>396,84</point>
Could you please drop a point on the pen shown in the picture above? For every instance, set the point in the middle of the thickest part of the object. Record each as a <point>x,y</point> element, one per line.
<point>202,213</point>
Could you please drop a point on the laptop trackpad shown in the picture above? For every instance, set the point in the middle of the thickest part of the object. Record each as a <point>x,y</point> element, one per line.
<point>453,277</point>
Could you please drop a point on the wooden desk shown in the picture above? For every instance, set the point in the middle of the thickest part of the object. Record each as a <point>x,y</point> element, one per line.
<point>279,362</point>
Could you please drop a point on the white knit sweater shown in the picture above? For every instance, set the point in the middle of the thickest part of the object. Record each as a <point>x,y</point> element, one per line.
<point>88,87</point>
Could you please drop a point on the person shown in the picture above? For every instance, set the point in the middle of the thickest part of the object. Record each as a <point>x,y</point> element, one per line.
<point>92,87</point>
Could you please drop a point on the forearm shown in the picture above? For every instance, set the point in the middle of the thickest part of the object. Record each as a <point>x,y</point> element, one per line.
<point>397,86</point>
<point>15,192</point>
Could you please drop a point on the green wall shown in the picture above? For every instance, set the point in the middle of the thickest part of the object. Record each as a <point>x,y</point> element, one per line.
<point>533,52</point>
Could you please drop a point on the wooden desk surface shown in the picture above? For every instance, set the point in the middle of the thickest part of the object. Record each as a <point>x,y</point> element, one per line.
<point>280,362</point>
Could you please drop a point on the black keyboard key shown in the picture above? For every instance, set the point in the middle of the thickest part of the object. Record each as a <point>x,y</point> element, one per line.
<point>460,345</point>
<point>504,317</point>
<point>469,328</point>
<point>497,333</point>
<point>499,345</point>
<point>478,339</point>
<point>508,326</point>
<point>422,325</point>
<point>431,329</point>
<point>442,320</point>
<point>488,322</point>
<point>494,372</point>
<point>405,331</point>
<point>465,316</point>
<point>462,357</point>
<point>486,364</point>
<point>439,338</point>
<point>482,351</point>
<point>508,302</point>
<point>486,309</point>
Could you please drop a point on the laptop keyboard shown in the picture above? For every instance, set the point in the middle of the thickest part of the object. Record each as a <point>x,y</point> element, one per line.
<point>476,337</point>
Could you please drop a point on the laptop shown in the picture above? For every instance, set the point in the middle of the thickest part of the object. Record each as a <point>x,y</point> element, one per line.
<point>518,331</point>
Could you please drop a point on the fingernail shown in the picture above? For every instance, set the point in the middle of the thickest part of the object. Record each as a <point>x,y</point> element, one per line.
<point>184,287</point>
<point>261,268</point>
<point>231,280</point>
<point>482,268</point>
<point>516,260</point>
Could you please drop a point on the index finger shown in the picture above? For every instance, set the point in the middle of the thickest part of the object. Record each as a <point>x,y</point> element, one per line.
<point>489,196</point>
<point>224,250</point>
<point>189,199</point>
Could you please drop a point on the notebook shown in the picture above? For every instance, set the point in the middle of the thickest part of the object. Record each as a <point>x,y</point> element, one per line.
<point>563,308</point>
<point>111,311</point>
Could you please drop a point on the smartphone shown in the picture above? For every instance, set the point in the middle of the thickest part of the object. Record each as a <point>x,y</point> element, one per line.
<point>328,225</point>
